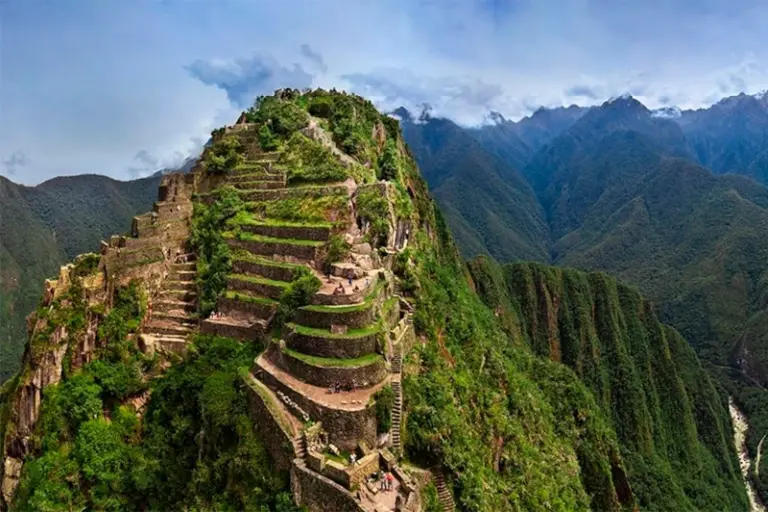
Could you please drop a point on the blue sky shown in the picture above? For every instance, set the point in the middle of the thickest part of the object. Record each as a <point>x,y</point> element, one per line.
<point>123,88</point>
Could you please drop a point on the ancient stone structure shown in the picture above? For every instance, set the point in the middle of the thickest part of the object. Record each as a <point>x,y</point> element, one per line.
<point>312,389</point>
<point>153,256</point>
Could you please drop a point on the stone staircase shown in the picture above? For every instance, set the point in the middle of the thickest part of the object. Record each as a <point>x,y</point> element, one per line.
<point>443,493</point>
<point>299,446</point>
<point>172,318</point>
<point>397,411</point>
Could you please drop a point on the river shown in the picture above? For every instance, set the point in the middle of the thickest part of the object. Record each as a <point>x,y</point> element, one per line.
<point>740,427</point>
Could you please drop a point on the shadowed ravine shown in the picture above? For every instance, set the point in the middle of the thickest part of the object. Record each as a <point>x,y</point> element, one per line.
<point>740,427</point>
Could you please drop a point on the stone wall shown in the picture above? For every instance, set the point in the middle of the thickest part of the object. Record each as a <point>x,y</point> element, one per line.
<point>271,291</point>
<point>320,234</point>
<point>326,376</point>
<point>362,469</point>
<point>320,494</point>
<point>242,309</point>
<point>297,192</point>
<point>278,440</point>
<point>275,272</point>
<point>354,318</point>
<point>335,347</point>
<point>345,427</point>
<point>300,252</point>
<point>253,332</point>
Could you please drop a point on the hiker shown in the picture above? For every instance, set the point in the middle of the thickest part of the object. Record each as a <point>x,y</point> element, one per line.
<point>367,282</point>
<point>383,486</point>
<point>356,288</point>
<point>352,458</point>
<point>389,481</point>
<point>350,279</point>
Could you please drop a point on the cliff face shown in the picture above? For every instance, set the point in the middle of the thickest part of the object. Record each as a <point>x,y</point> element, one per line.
<point>64,332</point>
<point>672,423</point>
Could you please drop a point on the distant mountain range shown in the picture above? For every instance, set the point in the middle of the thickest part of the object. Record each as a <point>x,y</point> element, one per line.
<point>673,202</point>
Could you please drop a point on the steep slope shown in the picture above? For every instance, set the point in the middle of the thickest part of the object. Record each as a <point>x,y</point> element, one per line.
<point>489,206</point>
<point>43,226</point>
<point>731,136</point>
<point>500,138</point>
<point>673,426</point>
<point>546,124</point>
<point>509,430</point>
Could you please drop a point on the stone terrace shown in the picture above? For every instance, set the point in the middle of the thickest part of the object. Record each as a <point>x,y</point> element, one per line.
<point>325,365</point>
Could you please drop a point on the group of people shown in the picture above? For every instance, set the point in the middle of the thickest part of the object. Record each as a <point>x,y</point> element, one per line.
<point>386,481</point>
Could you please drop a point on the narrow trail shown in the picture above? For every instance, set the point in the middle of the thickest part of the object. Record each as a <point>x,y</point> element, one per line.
<point>759,454</point>
<point>740,427</point>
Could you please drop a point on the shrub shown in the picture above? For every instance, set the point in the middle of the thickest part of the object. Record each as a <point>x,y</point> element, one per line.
<point>389,166</point>
<point>214,259</point>
<point>309,160</point>
<point>337,249</point>
<point>321,106</point>
<point>372,207</point>
<point>85,265</point>
<point>224,155</point>
<point>385,400</point>
<point>298,293</point>
<point>282,117</point>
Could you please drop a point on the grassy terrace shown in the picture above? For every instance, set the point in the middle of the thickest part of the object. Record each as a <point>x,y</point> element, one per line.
<point>325,333</point>
<point>259,280</point>
<point>248,219</point>
<point>350,308</point>
<point>250,237</point>
<point>246,297</point>
<point>307,209</point>
<point>242,255</point>
<point>335,363</point>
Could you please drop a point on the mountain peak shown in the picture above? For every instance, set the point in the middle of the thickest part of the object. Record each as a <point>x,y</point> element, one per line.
<point>494,117</point>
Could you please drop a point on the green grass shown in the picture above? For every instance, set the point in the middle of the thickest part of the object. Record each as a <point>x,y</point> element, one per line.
<point>259,280</point>
<point>335,363</point>
<point>243,255</point>
<point>249,219</point>
<point>325,333</point>
<point>250,237</point>
<point>305,209</point>
<point>256,299</point>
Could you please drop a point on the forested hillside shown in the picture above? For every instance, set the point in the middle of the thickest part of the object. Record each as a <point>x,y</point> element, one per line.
<point>628,420</point>
<point>488,204</point>
<point>671,421</point>
<point>42,227</point>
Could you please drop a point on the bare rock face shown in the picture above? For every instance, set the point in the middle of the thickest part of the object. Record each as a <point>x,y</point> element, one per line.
<point>11,475</point>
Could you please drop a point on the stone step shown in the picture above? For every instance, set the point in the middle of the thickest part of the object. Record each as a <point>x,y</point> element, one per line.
<point>173,284</point>
<point>160,328</point>
<point>179,316</point>
<point>188,266</point>
<point>165,305</point>
<point>183,275</point>
<point>177,295</point>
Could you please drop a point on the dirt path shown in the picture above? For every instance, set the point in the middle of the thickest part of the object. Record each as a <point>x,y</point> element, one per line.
<point>759,454</point>
<point>740,427</point>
